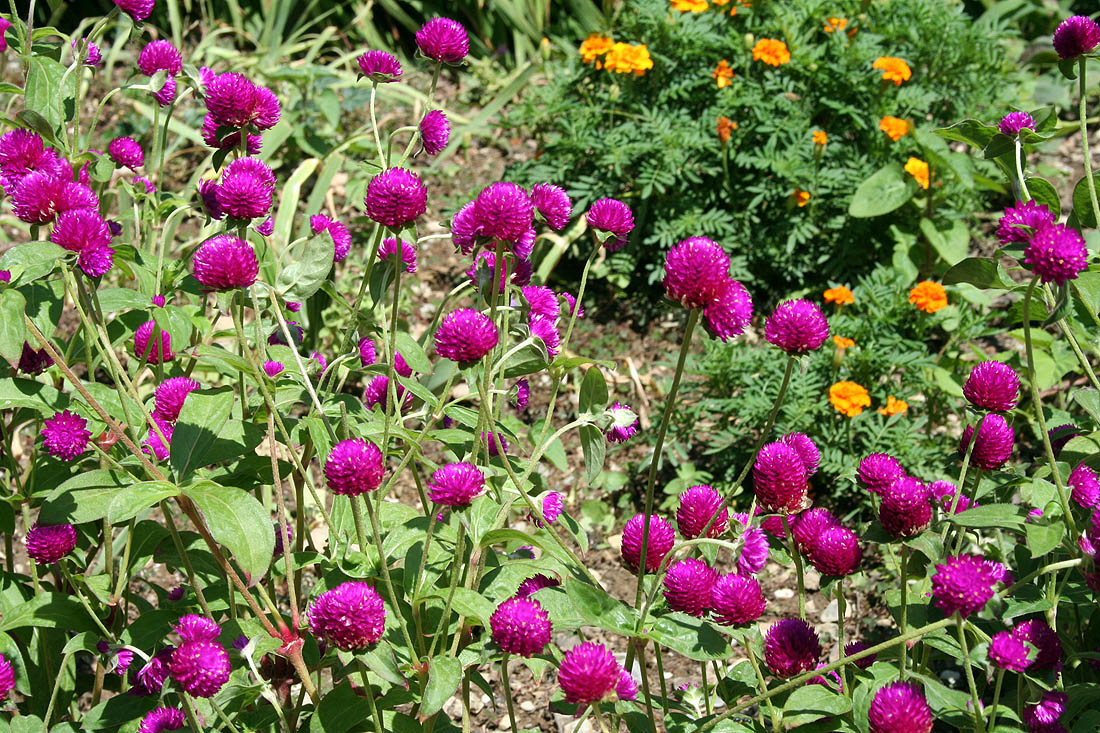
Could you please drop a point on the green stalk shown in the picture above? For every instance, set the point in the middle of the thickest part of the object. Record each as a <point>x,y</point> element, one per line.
<point>508,691</point>
<point>386,569</point>
<point>1085,136</point>
<point>996,700</point>
<point>776,721</point>
<point>374,128</point>
<point>975,701</point>
<point>580,297</point>
<point>903,573</point>
<point>841,608</point>
<point>1020,171</point>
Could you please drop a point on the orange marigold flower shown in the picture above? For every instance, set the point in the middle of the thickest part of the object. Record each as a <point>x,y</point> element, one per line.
<point>894,406</point>
<point>849,398</point>
<point>771,52</point>
<point>919,170</point>
<point>820,137</point>
<point>893,69</point>
<point>801,197</point>
<point>723,74</point>
<point>595,46</point>
<point>839,295</point>
<point>690,6</point>
<point>625,58</point>
<point>928,296</point>
<point>843,343</point>
<point>895,127</point>
<point>835,24</point>
<point>726,127</point>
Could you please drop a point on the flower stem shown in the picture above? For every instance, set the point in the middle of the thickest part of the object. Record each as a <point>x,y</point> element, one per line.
<point>903,575</point>
<point>382,161</point>
<point>580,297</point>
<point>777,723</point>
<point>841,609</point>
<point>383,562</point>
<point>975,701</point>
<point>1082,112</point>
<point>996,700</point>
<point>1020,171</point>
<point>508,691</point>
<point>369,694</point>
<point>797,556</point>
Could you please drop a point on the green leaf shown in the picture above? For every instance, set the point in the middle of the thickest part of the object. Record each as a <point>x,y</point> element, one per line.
<point>444,676</point>
<point>1044,193</point>
<point>48,611</point>
<point>13,330</point>
<point>1082,201</point>
<point>979,272</point>
<point>238,521</point>
<point>1008,516</point>
<point>303,278</point>
<point>133,500</point>
<point>999,145</point>
<point>527,360</point>
<point>593,398</point>
<point>413,353</point>
<point>971,132</point>
<point>201,420</point>
<point>950,242</point>
<point>44,93</point>
<point>600,609</point>
<point>594,445</point>
<point>1089,399</point>
<point>22,392</point>
<point>694,638</point>
<point>812,702</point>
<point>886,190</point>
<point>112,495</point>
<point>340,710</point>
<point>1042,538</point>
<point>31,261</point>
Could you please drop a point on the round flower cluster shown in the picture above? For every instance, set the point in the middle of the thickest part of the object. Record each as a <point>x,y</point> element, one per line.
<point>905,510</point>
<point>900,706</point>
<point>46,544</point>
<point>341,237</point>
<point>589,673</point>
<point>199,664</point>
<point>1056,253</point>
<point>225,262</point>
<point>698,505</point>
<point>964,583</point>
<point>625,424</point>
<point>354,467</point>
<point>661,538</point>
<point>351,616</point>
<point>456,484</point>
<point>993,444</point>
<point>520,626</point>
<point>791,646</point>
<point>65,436</point>
<point>465,336</point>
<point>797,327</point>
<point>697,276</point>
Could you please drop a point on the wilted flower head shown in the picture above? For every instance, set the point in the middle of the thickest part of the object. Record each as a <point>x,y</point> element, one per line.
<point>456,484</point>
<point>1038,633</point>
<point>661,538</point>
<point>796,326</point>
<point>520,626</point>
<point>779,478</point>
<point>1018,223</point>
<point>465,336</point>
<point>791,646</point>
<point>443,40</point>
<point>1043,716</point>
<point>992,385</point>
<point>696,271</point>
<point>1075,36</point>
<point>1056,253</point>
<point>993,445</point>
<point>878,470</point>
<point>354,467</point>
<point>1008,652</point>
<point>32,361</point>
<point>736,600</point>
<point>503,211</point>
<point>341,237</point>
<point>144,348</point>
<point>434,132</point>
<point>126,152</point>
<point>697,505</point>
<point>1012,123</point>
<point>552,203</point>
<point>964,583</point>
<point>396,197</point>
<point>588,673</point>
<point>65,435</point>
<point>905,511</point>
<point>379,66</point>
<point>170,395</point>
<point>687,586</point>
<point>46,544</point>
<point>225,262</point>
<point>351,616</point>
<point>614,217</point>
<point>900,707</point>
<point>389,247</point>
<point>625,424</point>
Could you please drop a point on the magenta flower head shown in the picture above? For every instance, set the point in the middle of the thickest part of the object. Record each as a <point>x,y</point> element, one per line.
<point>7,677</point>
<point>233,100</point>
<point>465,335</point>
<point>160,56</point>
<point>65,436</point>
<point>456,484</point>
<point>208,194</point>
<point>753,544</point>
<point>153,445</point>
<point>992,386</point>
<point>126,152</point>
<point>779,478</point>
<point>1038,633</point>
<point>380,67</point>
<point>23,152</point>
<point>434,132</point>
<point>1043,716</point>
<point>737,600</point>
<point>1008,652</point>
<point>354,467</point>
<point>1076,36</point>
<point>546,330</point>
<point>170,395</point>
<point>137,9</point>
<point>688,584</point>
<point>943,493</point>
<point>215,139</point>
<point>627,689</point>
<point>899,707</point>
<point>1018,223</point>
<point>193,627</point>
<point>809,525</point>
<point>807,450</point>
<point>163,718</point>
<point>464,228</point>
<point>730,312</point>
<point>378,393</point>
<point>588,673</point>
<point>1085,485</point>
<point>80,230</point>
<point>625,424</point>
<point>552,507</point>
<point>151,677</point>
<point>836,552</point>
<point>614,218</point>
<point>856,647</point>
<point>341,237</point>
<point>541,301</point>
<point>225,262</point>
<point>94,56</point>
<point>552,204</point>
<point>46,544</point>
<point>791,646</point>
<point>1061,435</point>
<point>697,505</point>
<point>95,261</point>
<point>389,247</point>
<point>1056,253</point>
<point>351,616</point>
<point>200,667</point>
<point>396,197</point>
<point>247,188</point>
<point>145,350</point>
<point>443,40</point>
<point>993,445</point>
<point>661,538</point>
<point>796,326</point>
<point>536,583</point>
<point>368,353</point>
<point>1012,123</point>
<point>696,270</point>
<point>34,200</point>
<point>964,583</point>
<point>905,510</point>
<point>490,438</point>
<point>503,211</point>
<point>520,626</point>
<point>878,471</point>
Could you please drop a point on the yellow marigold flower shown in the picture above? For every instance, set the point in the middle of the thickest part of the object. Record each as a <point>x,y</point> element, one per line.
<point>894,406</point>
<point>843,343</point>
<point>771,52</point>
<point>835,24</point>
<point>726,127</point>
<point>720,3</point>
<point>895,127</point>
<point>928,296</point>
<point>840,295</point>
<point>690,6</point>
<point>595,46</point>
<point>849,398</point>
<point>893,69</point>
<point>801,197</point>
<point>820,137</point>
<point>723,74</point>
<point>625,58</point>
<point>919,170</point>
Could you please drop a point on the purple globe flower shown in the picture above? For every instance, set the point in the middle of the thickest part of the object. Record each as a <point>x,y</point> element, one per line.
<point>279,546</point>
<point>7,677</point>
<point>905,510</point>
<point>247,188</point>
<point>964,583</point>
<point>993,445</point>
<point>943,493</point>
<point>146,350</point>
<point>1038,633</point>
<point>193,627</point>
<point>389,247</point>
<point>791,646</point>
<point>624,423</point>
<point>1056,253</point>
<point>661,538</point>
<point>273,368</point>
<point>354,467</point>
<point>224,263</point>
<point>899,707</point>
<point>878,471</point>
<point>807,450</point>
<point>688,584</point>
<point>730,313</point>
<point>1043,716</point>
<point>163,718</point>
<point>575,309</point>
<point>380,67</point>
<point>153,445</point>
<point>856,647</point>
<point>779,478</point>
<point>351,616</point>
<point>552,507</point>
<point>215,139</point>
<point>368,353</point>
<point>95,261</point>
<point>208,194</point>
<point>992,386</point>
<point>1085,485</point>
<point>200,667</point>
<point>697,505</point>
<point>553,204</point>
<point>490,440</point>
<point>737,600</point>
<point>456,484</point>
<point>378,394</point>
<point>160,56</point>
<point>464,228</point>
<point>151,677</point>
<point>126,152</point>
<point>434,132</point>
<point>588,673</point>
<point>23,152</point>
<point>1018,223</point>
<point>536,583</point>
<point>170,395</point>
<point>796,326</point>
<point>520,626</point>
<point>521,396</point>
<point>1013,122</point>
<point>94,56</point>
<point>396,197</point>
<point>233,100</point>
<point>627,689</point>
<point>541,301</point>
<point>615,218</point>
<point>1076,36</point>
<point>341,237</point>
<point>465,336</point>
<point>754,546</point>
<point>443,40</point>
<point>80,230</point>
<point>137,9</point>
<point>503,211</point>
<point>1009,653</point>
<point>696,270</point>
<point>809,525</point>
<point>46,544</point>
<point>65,436</point>
<point>32,361</point>
<point>546,330</point>
<point>836,552</point>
